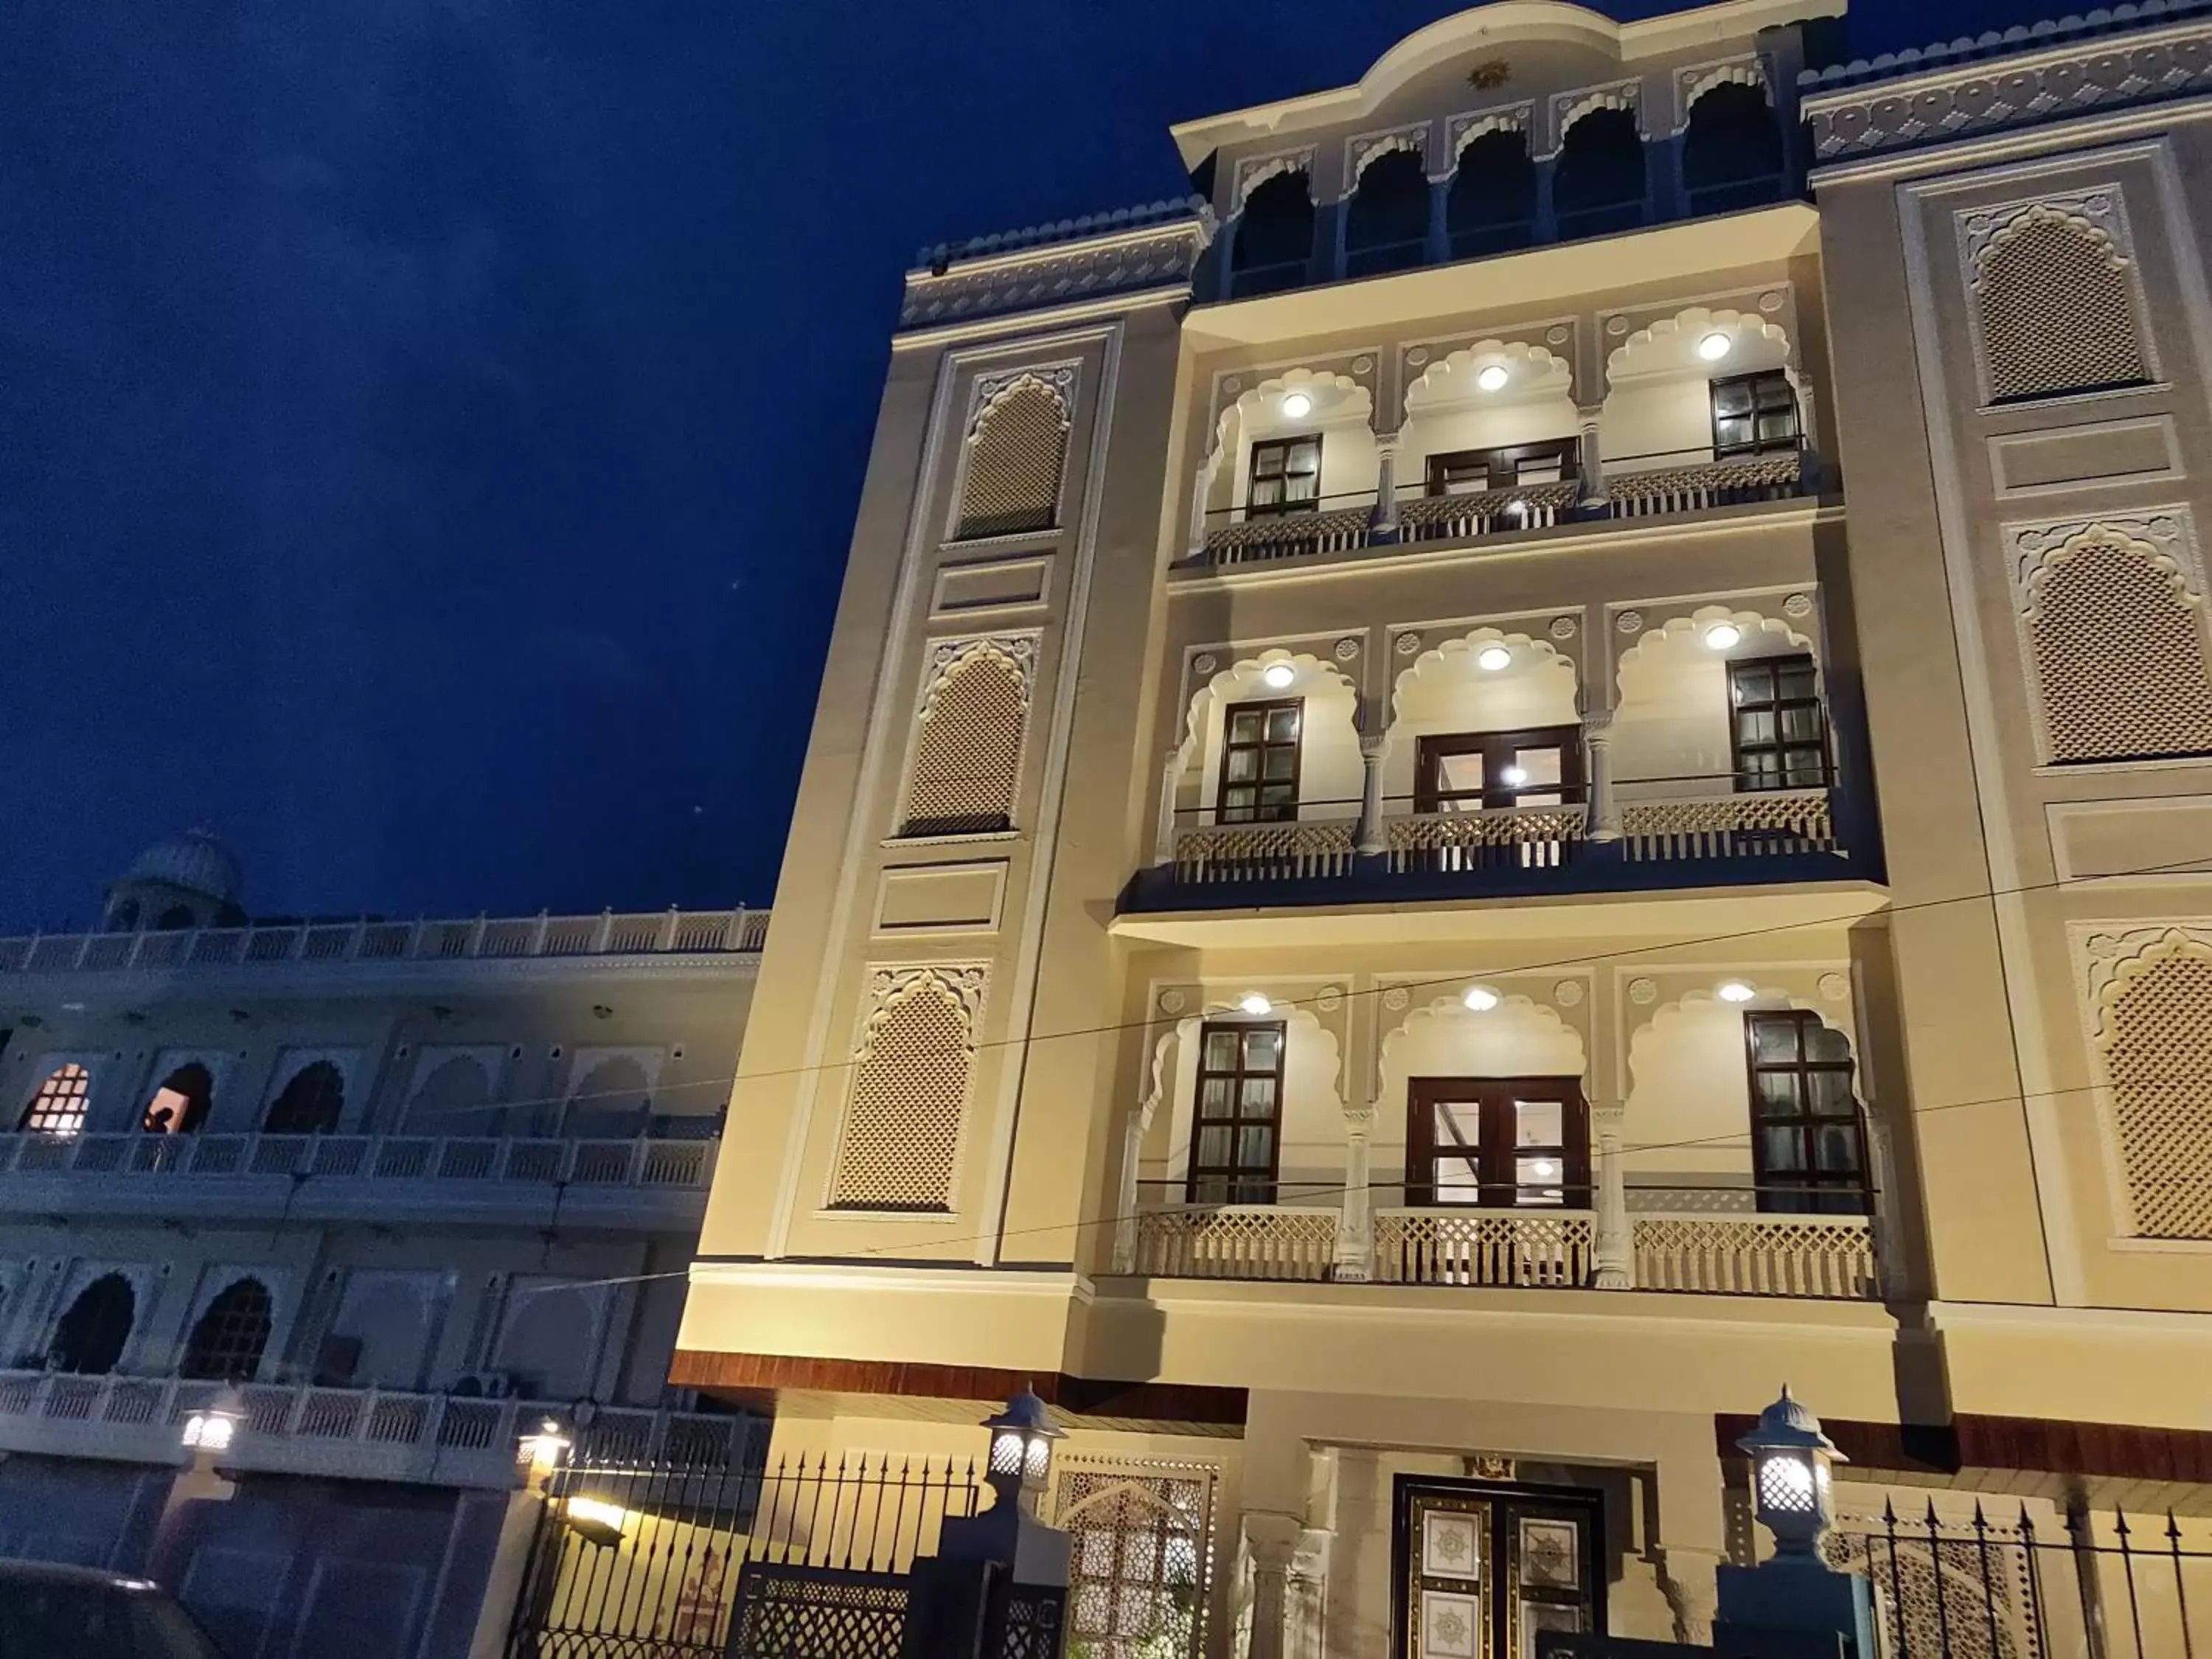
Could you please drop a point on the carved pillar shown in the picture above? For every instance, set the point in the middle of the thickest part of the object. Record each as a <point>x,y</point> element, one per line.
<point>1271,1541</point>
<point>1881,1172</point>
<point>1615,1264</point>
<point>1201,487</point>
<point>1370,839</point>
<point>1439,249</point>
<point>1170,775</point>
<point>1591,461</point>
<point>1384,518</point>
<point>1124,1213</point>
<point>1547,218</point>
<point>1687,1579</point>
<point>1307,1595</point>
<point>1355,1228</point>
<point>1224,251</point>
<point>1597,747</point>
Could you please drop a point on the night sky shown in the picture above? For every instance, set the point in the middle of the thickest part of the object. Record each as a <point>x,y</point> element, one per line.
<point>429,431</point>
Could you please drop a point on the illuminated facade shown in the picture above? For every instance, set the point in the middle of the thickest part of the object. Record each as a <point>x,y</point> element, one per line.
<point>1393,898</point>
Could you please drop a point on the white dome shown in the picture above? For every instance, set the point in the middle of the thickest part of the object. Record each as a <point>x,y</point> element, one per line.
<point>195,862</point>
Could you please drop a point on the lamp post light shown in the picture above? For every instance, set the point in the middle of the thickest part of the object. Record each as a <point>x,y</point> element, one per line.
<point>1792,1490</point>
<point>1021,1450</point>
<point>208,1431</point>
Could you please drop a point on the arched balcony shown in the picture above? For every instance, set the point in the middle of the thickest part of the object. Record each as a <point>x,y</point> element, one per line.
<point>1273,244</point>
<point>1732,153</point>
<point>1489,206</point>
<point>1490,442</point>
<point>1600,184</point>
<point>1741,1161</point>
<point>1293,469</point>
<point>1704,408</point>
<point>1386,222</point>
<point>1268,779</point>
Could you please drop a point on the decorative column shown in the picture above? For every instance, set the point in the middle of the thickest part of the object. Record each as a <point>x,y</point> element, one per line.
<point>1439,220</point>
<point>1383,522</point>
<point>1125,1216</point>
<point>1355,1227</point>
<point>1547,218</point>
<point>1888,1240</point>
<point>1171,775</point>
<point>1307,1596</point>
<point>1271,1541</point>
<point>1616,1245</point>
<point>1590,462</point>
<point>1687,1579</point>
<point>1201,487</point>
<point>1604,821</point>
<point>1370,842</point>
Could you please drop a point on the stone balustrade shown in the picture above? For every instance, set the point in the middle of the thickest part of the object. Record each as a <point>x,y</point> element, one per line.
<point>1751,824</point>
<point>362,1434</point>
<point>1264,852</point>
<point>685,933</point>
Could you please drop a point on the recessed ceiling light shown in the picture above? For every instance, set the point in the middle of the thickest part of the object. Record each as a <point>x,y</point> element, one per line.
<point>1714,346</point>
<point>1493,378</point>
<point>1736,991</point>
<point>1493,657</point>
<point>1513,776</point>
<point>1279,675</point>
<point>1481,999</point>
<point>1297,405</point>
<point>1721,636</point>
<point>1252,1002</point>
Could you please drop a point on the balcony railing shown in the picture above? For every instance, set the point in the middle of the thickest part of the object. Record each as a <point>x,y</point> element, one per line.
<point>1264,852</point>
<point>1758,823</point>
<point>368,1434</point>
<point>1632,487</point>
<point>1512,838</point>
<point>483,938</point>
<point>1715,1253</point>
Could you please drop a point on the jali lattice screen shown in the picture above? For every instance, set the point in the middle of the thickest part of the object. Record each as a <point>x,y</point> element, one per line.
<point>2055,303</point>
<point>2119,650</point>
<point>2157,1042</point>
<point>968,753</point>
<point>1015,453</point>
<point>900,1142</point>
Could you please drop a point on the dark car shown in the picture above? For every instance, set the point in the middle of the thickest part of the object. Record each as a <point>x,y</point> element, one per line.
<point>50,1611</point>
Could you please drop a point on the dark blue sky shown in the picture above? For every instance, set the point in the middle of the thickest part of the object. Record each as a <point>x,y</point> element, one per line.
<point>429,428</point>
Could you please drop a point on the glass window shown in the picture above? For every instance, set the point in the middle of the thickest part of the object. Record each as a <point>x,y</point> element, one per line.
<point>1809,1147</point>
<point>1260,762</point>
<point>1754,413</point>
<point>1285,476</point>
<point>1779,733</point>
<point>1471,471</point>
<point>1474,771</point>
<point>59,1108</point>
<point>1502,1143</point>
<point>1233,1154</point>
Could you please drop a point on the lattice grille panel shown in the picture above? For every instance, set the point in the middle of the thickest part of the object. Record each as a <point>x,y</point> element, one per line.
<point>909,1091</point>
<point>2158,1054</point>
<point>818,1614</point>
<point>2120,657</point>
<point>1139,1563</point>
<point>1014,463</point>
<point>1985,1608</point>
<point>968,758</point>
<point>2058,309</point>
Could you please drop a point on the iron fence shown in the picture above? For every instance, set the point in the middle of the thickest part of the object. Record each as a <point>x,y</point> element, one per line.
<point>640,1557</point>
<point>2088,1585</point>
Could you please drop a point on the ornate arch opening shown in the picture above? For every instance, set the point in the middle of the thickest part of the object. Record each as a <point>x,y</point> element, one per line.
<point>1673,386</point>
<point>1491,684</point>
<point>311,1102</point>
<point>2153,1041</point>
<point>1296,404</point>
<point>182,1101</point>
<point>227,1341</point>
<point>1386,225</point>
<point>1272,247</point>
<point>1733,156</point>
<point>1495,416</point>
<point>1326,775</point>
<point>1683,727</point>
<point>1017,450</point>
<point>1211,1080</point>
<point>454,1098</point>
<point>612,1101</point>
<point>91,1336</point>
<point>1491,206</point>
<point>2056,307</point>
<point>59,1106</point>
<point>1598,182</point>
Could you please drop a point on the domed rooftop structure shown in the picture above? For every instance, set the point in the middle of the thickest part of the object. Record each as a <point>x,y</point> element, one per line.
<point>194,862</point>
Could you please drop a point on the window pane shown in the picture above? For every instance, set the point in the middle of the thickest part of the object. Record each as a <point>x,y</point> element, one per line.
<point>1756,725</point>
<point>1831,1094</point>
<point>1781,1149</point>
<point>1256,1148</point>
<point>1245,725</point>
<point>1777,427</point>
<point>1282,725</point>
<point>1795,682</point>
<point>1257,1097</point>
<point>1537,1181</point>
<point>1303,459</point>
<point>1836,1149</point>
<point>1263,1049</point>
<point>1541,765</point>
<point>1538,469</point>
<point>1773,1037</point>
<point>1459,775</point>
<point>1731,399</point>
<point>1281,764</point>
<point>1243,765</point>
<point>1212,1190</point>
<point>1267,492</point>
<point>1276,797</point>
<point>1773,391</point>
<point>1220,1050</point>
<point>1751,684</point>
<point>1458,1123</point>
<point>1777,1095</point>
<point>1806,769</point>
<point>1732,431</point>
<point>1826,1042</point>
<point>1214,1097</point>
<point>1213,1148</point>
<point>1267,461</point>
<point>1301,489</point>
<point>1539,1123</point>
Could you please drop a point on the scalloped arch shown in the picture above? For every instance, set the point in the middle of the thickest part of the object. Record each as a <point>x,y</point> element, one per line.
<point>1704,617</point>
<point>1256,174</point>
<point>1512,120</point>
<point>1537,1016</point>
<point>1233,418</point>
<point>1725,75</point>
<point>2036,570</point>
<point>1692,319</point>
<point>1674,1009</point>
<point>1295,1016</point>
<point>1465,645</point>
<point>1207,695</point>
<point>2119,975</point>
<point>1368,150</point>
<point>1591,103</point>
<point>1448,368</point>
<point>1027,381</point>
<point>2045,213</point>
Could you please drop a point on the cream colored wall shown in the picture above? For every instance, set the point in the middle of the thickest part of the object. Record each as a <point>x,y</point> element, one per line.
<point>1672,726</point>
<point>1448,691</point>
<point>1330,771</point>
<point>1993,1058</point>
<point>1348,462</point>
<point>1311,1165</point>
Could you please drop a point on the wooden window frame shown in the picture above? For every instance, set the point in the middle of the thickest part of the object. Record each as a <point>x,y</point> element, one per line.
<point>1495,748</point>
<point>1501,465</point>
<point>1497,1149</point>
<point>1282,447</point>
<point>1807,1184</point>
<point>1755,380</point>
<point>1747,782</point>
<point>1260,812</point>
<point>1237,1180</point>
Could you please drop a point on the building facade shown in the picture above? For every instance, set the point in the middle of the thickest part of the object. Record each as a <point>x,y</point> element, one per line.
<point>391,1191</point>
<point>1539,765</point>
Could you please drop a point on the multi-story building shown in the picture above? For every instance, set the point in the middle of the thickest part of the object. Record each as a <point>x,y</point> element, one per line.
<point>1538,766</point>
<point>389,1191</point>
